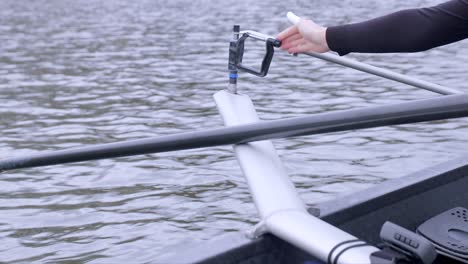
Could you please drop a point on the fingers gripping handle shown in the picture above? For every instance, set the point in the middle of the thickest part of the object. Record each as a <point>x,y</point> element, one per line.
<point>293,18</point>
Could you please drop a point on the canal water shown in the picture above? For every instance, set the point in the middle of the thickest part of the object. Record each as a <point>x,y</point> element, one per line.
<point>77,73</point>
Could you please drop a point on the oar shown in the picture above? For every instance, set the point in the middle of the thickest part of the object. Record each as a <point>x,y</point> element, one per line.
<point>444,107</point>
<point>375,70</point>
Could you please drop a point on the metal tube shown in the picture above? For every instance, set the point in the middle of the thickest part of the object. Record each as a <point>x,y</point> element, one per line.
<point>444,107</point>
<point>384,73</point>
<point>263,169</point>
<point>233,56</point>
<point>319,238</point>
<point>256,35</point>
<point>282,211</point>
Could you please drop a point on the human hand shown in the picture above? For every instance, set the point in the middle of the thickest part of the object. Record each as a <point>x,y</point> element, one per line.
<point>304,36</point>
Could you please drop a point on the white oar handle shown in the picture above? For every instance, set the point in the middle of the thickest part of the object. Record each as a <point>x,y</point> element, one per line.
<point>293,18</point>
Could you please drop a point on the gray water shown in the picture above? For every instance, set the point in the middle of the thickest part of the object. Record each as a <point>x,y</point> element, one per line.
<point>76,73</point>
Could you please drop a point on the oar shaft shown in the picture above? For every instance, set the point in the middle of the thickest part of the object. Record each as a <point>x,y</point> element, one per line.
<point>384,73</point>
<point>410,112</point>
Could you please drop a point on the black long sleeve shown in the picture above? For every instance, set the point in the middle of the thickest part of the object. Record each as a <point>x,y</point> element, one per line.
<point>409,30</point>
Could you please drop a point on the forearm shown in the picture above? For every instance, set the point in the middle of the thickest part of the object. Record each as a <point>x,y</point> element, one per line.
<point>404,31</point>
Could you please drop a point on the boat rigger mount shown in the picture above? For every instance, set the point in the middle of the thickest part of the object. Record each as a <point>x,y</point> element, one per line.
<point>236,54</point>
<point>281,210</point>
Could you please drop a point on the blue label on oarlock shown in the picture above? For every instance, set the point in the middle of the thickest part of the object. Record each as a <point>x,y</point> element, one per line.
<point>233,76</point>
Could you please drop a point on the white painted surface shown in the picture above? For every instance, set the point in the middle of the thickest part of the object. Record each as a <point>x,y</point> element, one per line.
<point>282,212</point>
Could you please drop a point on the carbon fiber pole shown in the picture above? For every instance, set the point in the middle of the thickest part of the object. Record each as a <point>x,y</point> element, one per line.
<point>452,106</point>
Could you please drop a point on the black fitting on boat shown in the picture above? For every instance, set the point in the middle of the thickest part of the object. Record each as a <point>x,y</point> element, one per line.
<point>270,43</point>
<point>233,59</point>
<point>236,53</point>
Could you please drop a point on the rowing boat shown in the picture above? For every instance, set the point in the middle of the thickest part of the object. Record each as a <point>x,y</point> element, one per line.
<point>420,218</point>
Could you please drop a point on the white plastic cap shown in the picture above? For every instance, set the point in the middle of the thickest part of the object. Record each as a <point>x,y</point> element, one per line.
<point>293,18</point>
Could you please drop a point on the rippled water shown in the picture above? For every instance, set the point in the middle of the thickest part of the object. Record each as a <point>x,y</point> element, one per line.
<point>76,73</point>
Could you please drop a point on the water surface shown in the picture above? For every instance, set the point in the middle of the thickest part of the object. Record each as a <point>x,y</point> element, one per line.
<point>76,73</point>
